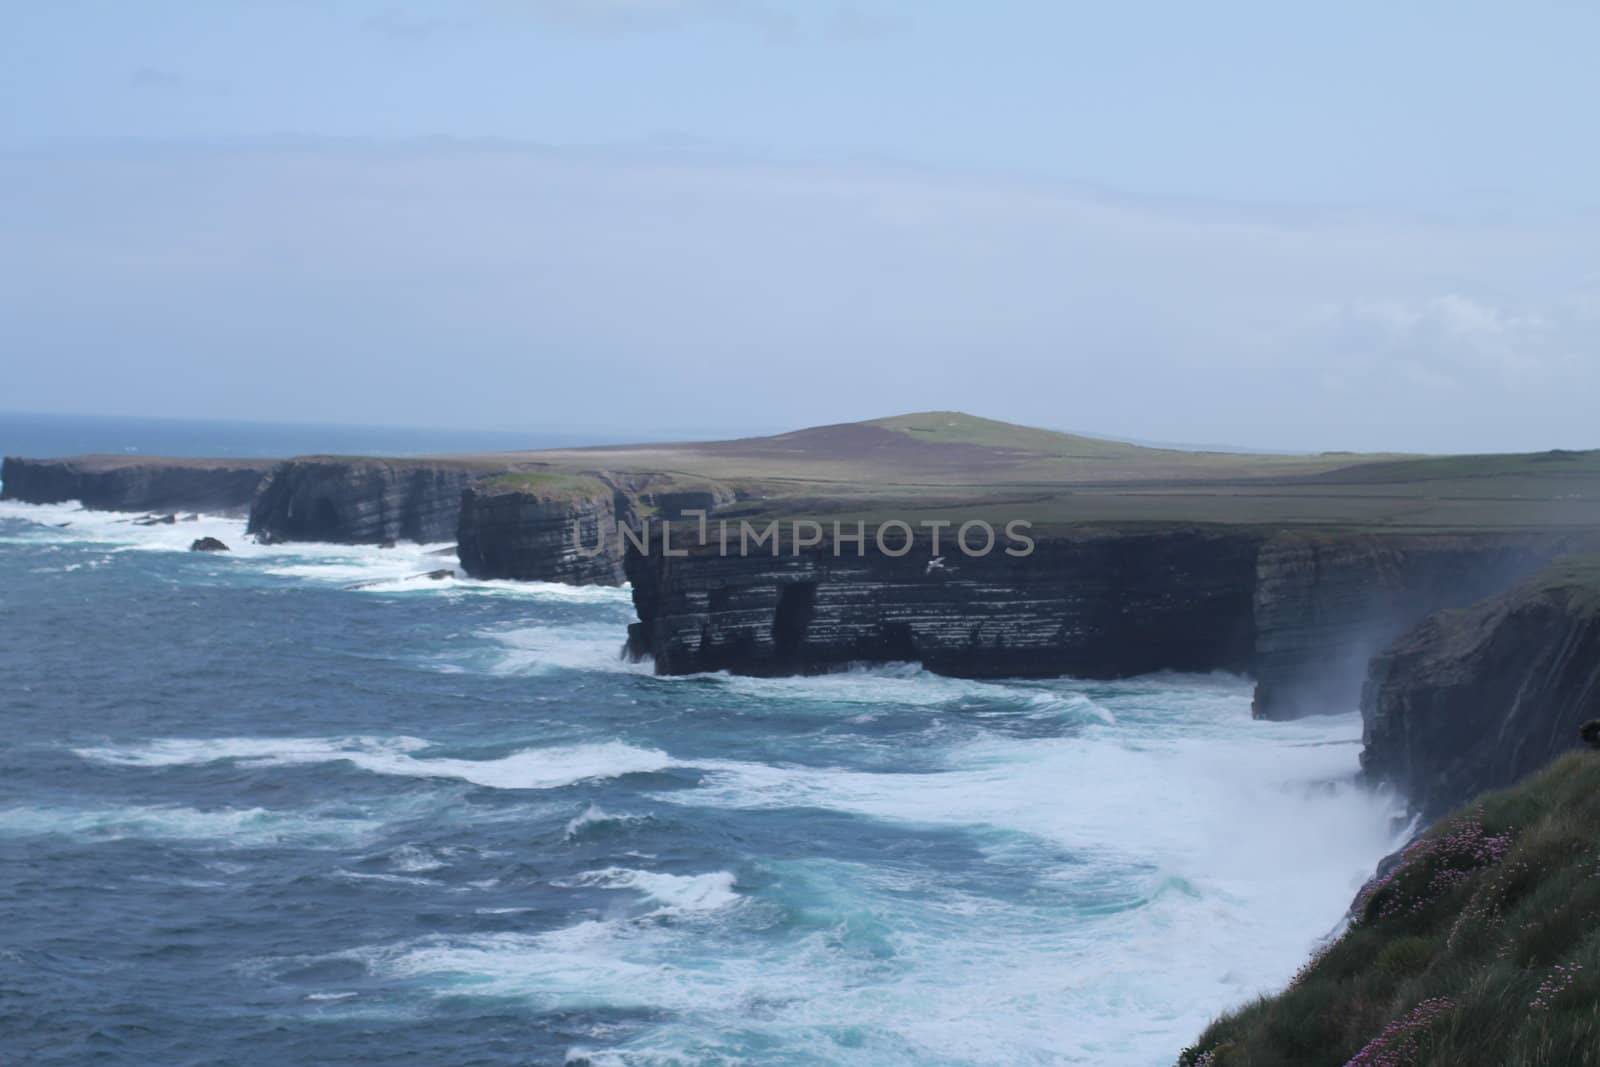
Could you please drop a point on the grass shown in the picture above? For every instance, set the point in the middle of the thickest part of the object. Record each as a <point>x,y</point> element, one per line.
<point>1577,578</point>
<point>950,462</point>
<point>1480,949</point>
<point>548,485</point>
<point>957,427</point>
<point>955,464</point>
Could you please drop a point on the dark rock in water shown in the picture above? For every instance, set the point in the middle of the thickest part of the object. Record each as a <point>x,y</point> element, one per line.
<point>156,520</point>
<point>190,518</point>
<point>1590,732</point>
<point>135,483</point>
<point>208,544</point>
<point>436,576</point>
<point>1475,699</point>
<point>448,550</point>
<point>62,525</point>
<point>387,544</point>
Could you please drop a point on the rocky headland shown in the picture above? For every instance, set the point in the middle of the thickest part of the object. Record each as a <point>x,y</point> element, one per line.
<point>542,528</point>
<point>129,483</point>
<point>1295,570</point>
<point>357,500</point>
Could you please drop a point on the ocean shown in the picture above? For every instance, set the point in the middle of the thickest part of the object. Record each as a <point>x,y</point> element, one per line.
<point>294,804</point>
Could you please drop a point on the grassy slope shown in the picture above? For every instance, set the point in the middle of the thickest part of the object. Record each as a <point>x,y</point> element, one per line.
<point>949,464</point>
<point>952,464</point>
<point>1481,949</point>
<point>548,485</point>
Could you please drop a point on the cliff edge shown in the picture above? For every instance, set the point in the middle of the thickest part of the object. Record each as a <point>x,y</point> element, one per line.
<point>356,500</point>
<point>135,483</point>
<point>1474,699</point>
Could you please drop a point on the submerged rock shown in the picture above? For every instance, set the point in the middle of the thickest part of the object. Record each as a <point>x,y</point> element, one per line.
<point>1590,733</point>
<point>433,576</point>
<point>208,544</point>
<point>156,520</point>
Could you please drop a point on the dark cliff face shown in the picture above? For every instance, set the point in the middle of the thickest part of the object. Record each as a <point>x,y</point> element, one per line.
<point>1474,699</point>
<point>513,528</point>
<point>361,501</point>
<point>1302,613</point>
<point>120,483</point>
<point>510,533</point>
<point>1326,604</point>
<point>1093,606</point>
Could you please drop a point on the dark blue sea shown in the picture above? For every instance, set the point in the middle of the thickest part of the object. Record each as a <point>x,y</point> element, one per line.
<point>296,805</point>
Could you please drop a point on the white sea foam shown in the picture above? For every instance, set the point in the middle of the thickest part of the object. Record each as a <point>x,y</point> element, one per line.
<point>596,816</point>
<point>906,684</point>
<point>1177,869</point>
<point>414,860</point>
<point>363,568</point>
<point>1208,858</point>
<point>70,523</point>
<point>1162,856</point>
<point>236,827</point>
<point>534,768</point>
<point>575,646</point>
<point>379,876</point>
<point>679,892</point>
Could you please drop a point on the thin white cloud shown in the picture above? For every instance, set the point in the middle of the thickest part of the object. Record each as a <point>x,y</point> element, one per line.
<point>840,21</point>
<point>543,281</point>
<point>634,16</point>
<point>156,78</point>
<point>1446,340</point>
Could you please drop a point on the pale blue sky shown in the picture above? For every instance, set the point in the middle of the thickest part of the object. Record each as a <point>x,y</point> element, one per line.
<point>1287,225</point>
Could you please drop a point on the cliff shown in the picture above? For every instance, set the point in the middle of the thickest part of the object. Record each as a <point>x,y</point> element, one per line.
<point>1475,699</point>
<point>1301,613</point>
<point>1092,604</point>
<point>551,529</point>
<point>128,483</point>
<point>1479,948</point>
<point>360,500</point>
<point>1294,569</point>
<point>544,526</point>
<point>1325,604</point>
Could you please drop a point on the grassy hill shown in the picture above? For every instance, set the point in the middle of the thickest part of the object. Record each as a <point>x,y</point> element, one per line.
<point>1481,948</point>
<point>950,463</point>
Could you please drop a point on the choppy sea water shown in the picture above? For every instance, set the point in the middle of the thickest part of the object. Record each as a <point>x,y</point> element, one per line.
<point>250,814</point>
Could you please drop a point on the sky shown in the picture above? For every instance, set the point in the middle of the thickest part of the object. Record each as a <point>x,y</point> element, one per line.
<point>1359,225</point>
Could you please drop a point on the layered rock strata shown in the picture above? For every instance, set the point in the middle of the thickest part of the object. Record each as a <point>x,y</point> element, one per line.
<point>1092,605</point>
<point>354,500</point>
<point>1474,699</point>
<point>126,483</point>
<point>1325,604</point>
